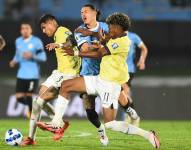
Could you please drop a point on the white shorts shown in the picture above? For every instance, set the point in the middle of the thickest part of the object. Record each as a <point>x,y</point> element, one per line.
<point>56,78</point>
<point>108,91</point>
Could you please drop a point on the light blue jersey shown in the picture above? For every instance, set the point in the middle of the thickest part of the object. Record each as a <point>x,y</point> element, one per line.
<point>29,69</point>
<point>90,66</point>
<point>135,42</point>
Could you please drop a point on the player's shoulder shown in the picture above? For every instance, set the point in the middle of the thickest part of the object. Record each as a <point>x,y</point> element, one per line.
<point>63,30</point>
<point>103,24</point>
<point>36,39</point>
<point>133,35</point>
<point>19,39</point>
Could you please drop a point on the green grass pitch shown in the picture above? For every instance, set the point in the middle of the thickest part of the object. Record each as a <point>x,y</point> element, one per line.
<point>81,135</point>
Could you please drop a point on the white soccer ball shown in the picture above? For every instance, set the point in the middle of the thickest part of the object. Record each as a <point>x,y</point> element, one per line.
<point>13,137</point>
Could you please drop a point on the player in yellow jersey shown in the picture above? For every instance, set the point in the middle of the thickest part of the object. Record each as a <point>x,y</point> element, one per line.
<point>67,68</point>
<point>107,85</point>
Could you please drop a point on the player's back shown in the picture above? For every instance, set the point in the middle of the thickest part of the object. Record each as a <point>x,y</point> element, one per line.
<point>65,63</point>
<point>90,66</point>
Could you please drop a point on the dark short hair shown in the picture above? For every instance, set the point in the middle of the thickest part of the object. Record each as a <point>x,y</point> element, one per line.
<point>120,19</point>
<point>95,9</point>
<point>46,17</point>
<point>27,22</point>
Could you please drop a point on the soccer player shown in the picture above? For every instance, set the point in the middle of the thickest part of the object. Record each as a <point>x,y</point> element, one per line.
<point>29,53</point>
<point>67,68</point>
<point>136,42</point>
<point>84,33</point>
<point>2,43</point>
<point>108,83</point>
<point>90,66</point>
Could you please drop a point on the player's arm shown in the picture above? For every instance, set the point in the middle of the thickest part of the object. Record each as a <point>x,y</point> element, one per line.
<point>15,59</point>
<point>101,35</point>
<point>90,54</point>
<point>2,43</point>
<point>143,56</point>
<point>40,54</point>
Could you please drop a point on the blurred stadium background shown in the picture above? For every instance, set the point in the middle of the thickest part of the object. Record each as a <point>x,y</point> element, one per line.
<point>162,91</point>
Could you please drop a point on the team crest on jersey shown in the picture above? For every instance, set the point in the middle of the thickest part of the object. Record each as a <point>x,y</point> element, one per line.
<point>30,46</point>
<point>115,45</point>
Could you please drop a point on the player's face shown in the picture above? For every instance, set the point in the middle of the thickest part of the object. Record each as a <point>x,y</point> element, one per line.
<point>48,28</point>
<point>88,15</point>
<point>26,30</point>
<point>115,31</point>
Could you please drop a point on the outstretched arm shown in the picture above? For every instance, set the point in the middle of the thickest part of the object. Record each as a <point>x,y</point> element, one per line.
<point>90,54</point>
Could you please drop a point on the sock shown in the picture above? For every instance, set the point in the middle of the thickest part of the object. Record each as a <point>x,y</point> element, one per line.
<point>29,102</point>
<point>35,116</point>
<point>21,100</point>
<point>93,117</point>
<point>60,108</point>
<point>49,109</point>
<point>131,112</point>
<point>122,126</point>
<point>132,105</point>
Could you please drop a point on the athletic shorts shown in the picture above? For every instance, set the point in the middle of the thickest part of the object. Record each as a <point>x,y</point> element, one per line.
<point>26,85</point>
<point>131,77</point>
<point>107,91</point>
<point>56,79</point>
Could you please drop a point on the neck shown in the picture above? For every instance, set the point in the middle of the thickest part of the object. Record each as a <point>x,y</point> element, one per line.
<point>92,24</point>
<point>26,37</point>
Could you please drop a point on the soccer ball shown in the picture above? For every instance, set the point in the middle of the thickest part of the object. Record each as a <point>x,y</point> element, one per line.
<point>13,137</point>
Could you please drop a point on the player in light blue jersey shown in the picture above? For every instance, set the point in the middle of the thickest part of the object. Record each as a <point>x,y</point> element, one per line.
<point>136,42</point>
<point>91,66</point>
<point>29,53</point>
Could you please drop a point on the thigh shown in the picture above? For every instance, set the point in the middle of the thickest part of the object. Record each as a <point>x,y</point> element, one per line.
<point>72,85</point>
<point>31,85</point>
<point>21,86</point>
<point>109,114</point>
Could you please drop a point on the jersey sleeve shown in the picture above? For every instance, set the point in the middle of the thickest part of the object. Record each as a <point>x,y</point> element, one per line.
<point>40,54</point>
<point>16,56</point>
<point>80,39</point>
<point>137,40</point>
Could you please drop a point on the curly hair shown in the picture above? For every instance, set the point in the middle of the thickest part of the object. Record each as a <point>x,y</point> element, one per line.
<point>119,19</point>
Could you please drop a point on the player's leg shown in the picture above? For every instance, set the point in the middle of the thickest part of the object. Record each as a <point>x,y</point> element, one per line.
<point>20,91</point>
<point>67,86</point>
<point>45,94</point>
<point>126,105</point>
<point>122,126</point>
<point>89,105</point>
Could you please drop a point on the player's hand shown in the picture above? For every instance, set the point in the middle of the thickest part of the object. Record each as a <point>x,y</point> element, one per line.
<point>68,51</point>
<point>96,45</point>
<point>84,31</point>
<point>27,55</point>
<point>52,46</point>
<point>141,65</point>
<point>12,64</point>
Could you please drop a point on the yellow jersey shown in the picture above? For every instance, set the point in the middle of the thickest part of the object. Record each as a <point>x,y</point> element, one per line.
<point>113,67</point>
<point>65,64</point>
